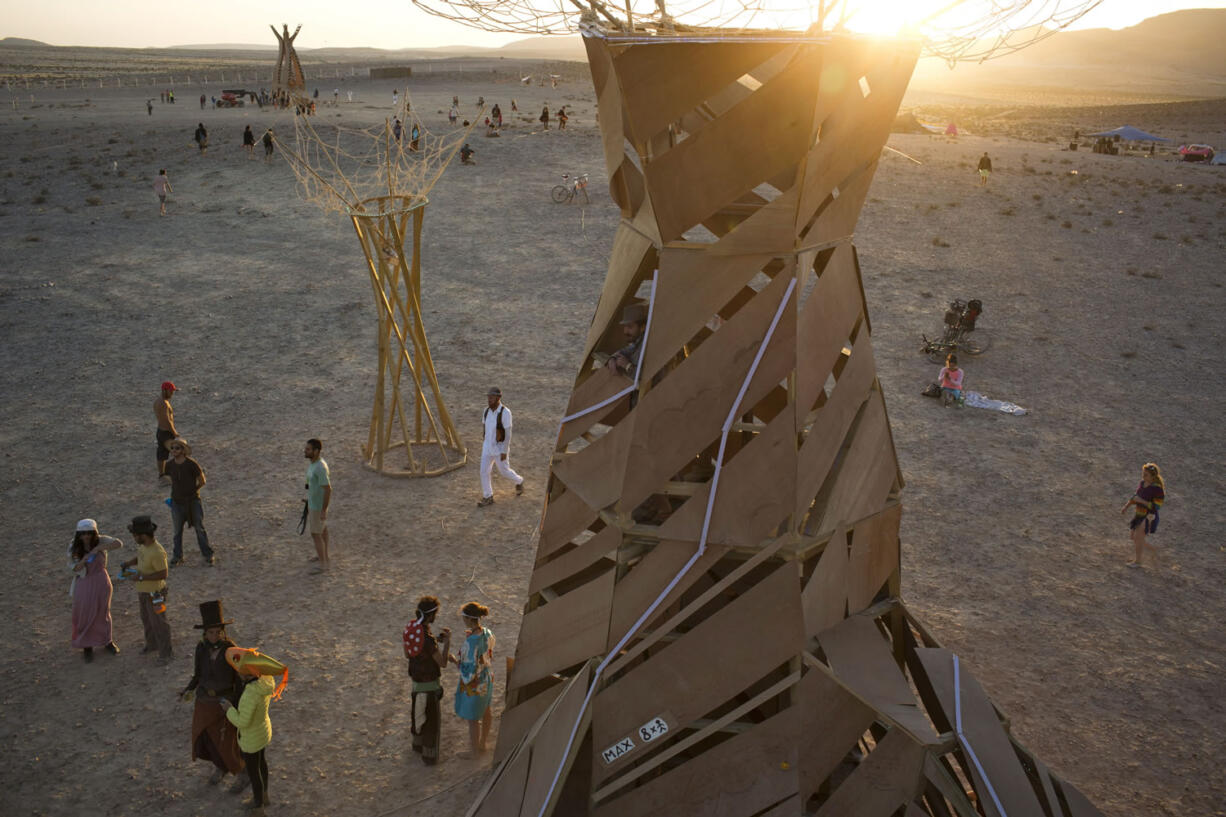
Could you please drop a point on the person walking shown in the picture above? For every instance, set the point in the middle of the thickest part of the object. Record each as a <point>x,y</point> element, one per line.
<point>544,117</point>
<point>149,106</point>
<point>202,138</point>
<point>213,680</point>
<point>427,657</point>
<point>186,480</point>
<point>495,447</point>
<point>202,101</point>
<point>250,717</point>
<point>249,143</point>
<point>268,145</point>
<point>162,409</point>
<point>161,186</point>
<point>1145,501</point>
<point>319,497</point>
<point>475,689</point>
<point>91,593</point>
<point>150,584</point>
<point>985,169</point>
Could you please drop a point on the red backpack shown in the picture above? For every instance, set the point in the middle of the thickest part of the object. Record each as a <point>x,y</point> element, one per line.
<point>414,638</point>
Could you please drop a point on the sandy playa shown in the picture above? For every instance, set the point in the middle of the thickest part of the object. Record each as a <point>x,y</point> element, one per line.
<point>1103,293</point>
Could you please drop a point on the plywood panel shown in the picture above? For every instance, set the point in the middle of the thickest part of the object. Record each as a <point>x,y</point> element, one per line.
<point>595,474</point>
<point>668,79</point>
<point>982,728</point>
<point>573,561</point>
<point>833,721</point>
<point>594,389</point>
<point>756,491</point>
<point>507,793</point>
<point>692,288</point>
<point>768,132</point>
<point>683,414</point>
<point>563,632</point>
<point>874,556</point>
<point>1078,805</point>
<point>630,252</point>
<point>515,722</point>
<point>825,595</point>
<point>862,660</point>
<point>887,779</point>
<point>565,518</point>
<point>668,683</point>
<point>826,320</point>
<point>771,229</point>
<point>839,218</point>
<point>742,775</point>
<point>867,472</point>
<point>549,747</point>
<point>636,590</point>
<point>825,439</point>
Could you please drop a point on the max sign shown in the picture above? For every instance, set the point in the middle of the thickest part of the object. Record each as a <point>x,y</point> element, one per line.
<point>649,731</point>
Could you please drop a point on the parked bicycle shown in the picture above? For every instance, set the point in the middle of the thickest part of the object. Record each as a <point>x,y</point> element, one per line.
<point>569,188</point>
<point>960,334</point>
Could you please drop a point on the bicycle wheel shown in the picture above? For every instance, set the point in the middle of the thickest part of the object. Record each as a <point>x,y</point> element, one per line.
<point>975,343</point>
<point>559,193</point>
<point>936,354</point>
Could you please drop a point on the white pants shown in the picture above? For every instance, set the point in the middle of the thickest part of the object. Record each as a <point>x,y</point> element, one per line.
<point>488,461</point>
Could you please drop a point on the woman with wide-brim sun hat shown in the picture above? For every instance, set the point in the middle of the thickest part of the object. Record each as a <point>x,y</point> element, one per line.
<point>91,590</point>
<point>256,672</point>
<point>1146,501</point>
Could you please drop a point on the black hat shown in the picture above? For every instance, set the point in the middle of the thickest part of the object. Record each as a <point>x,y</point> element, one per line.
<point>211,616</point>
<point>143,524</point>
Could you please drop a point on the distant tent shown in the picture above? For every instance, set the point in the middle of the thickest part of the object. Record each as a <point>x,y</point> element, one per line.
<point>1128,133</point>
<point>907,123</point>
<point>952,130</point>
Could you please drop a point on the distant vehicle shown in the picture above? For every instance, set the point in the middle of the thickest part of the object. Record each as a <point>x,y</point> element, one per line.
<point>1196,153</point>
<point>232,99</point>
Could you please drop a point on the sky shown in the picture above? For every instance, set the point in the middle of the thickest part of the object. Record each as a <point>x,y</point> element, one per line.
<point>372,23</point>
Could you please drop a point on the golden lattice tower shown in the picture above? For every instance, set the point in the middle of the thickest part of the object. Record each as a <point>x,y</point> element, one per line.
<point>713,623</point>
<point>288,76</point>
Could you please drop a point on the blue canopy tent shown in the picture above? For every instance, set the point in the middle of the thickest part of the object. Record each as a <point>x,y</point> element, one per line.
<point>1128,133</point>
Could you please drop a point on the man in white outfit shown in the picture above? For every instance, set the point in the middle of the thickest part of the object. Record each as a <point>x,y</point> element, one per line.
<point>495,443</point>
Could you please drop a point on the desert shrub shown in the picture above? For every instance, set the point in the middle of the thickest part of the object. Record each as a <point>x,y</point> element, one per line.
<point>1037,197</point>
<point>1068,225</point>
<point>1160,236</point>
<point>32,238</point>
<point>1050,216</point>
<point>1167,189</point>
<point>1107,222</point>
<point>1128,355</point>
<point>94,201</point>
<point>1151,274</point>
<point>1008,211</point>
<point>939,242</point>
<point>39,199</point>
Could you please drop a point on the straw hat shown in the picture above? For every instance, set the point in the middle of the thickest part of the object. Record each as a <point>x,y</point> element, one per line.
<point>187,447</point>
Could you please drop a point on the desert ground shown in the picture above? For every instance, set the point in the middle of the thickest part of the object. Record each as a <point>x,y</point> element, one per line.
<point>1102,280</point>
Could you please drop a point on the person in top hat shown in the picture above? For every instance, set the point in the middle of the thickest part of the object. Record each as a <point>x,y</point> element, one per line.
<point>256,672</point>
<point>495,446</point>
<point>634,328</point>
<point>150,584</point>
<point>166,423</point>
<point>186,480</point>
<point>213,680</point>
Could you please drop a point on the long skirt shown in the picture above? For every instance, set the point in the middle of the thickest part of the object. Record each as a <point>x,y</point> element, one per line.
<point>214,738</point>
<point>91,606</point>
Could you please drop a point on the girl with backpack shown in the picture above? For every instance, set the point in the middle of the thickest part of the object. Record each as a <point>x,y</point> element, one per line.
<point>427,657</point>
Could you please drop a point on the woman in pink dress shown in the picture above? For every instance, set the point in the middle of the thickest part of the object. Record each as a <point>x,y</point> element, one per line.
<point>91,596</point>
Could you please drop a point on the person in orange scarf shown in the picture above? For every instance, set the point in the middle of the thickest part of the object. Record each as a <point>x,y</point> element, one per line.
<point>256,671</point>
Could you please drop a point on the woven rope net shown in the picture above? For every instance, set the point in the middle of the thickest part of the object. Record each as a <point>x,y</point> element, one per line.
<point>953,30</point>
<point>339,167</point>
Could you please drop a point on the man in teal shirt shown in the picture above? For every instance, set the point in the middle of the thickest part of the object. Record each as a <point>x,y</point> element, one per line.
<point>319,496</point>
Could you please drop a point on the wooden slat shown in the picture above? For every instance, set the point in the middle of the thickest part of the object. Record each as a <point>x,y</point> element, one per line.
<point>564,519</point>
<point>609,103</point>
<point>824,441</point>
<point>840,216</point>
<point>861,659</point>
<point>825,595</point>
<point>563,632</point>
<point>1078,805</point>
<point>594,389</point>
<point>769,132</point>
<point>636,590</point>
<point>949,787</point>
<point>573,561</point>
<point>666,80</point>
<point>515,722</point>
<point>889,777</point>
<point>741,775</point>
<point>630,251</point>
<point>1054,808</point>
<point>507,792</point>
<point>982,728</point>
<point>595,474</point>
<point>771,229</point>
<point>667,684</point>
<point>832,721</point>
<point>826,320</point>
<point>756,492</point>
<point>682,415</point>
<point>549,749</point>
<point>874,556</point>
<point>692,288</point>
<point>867,471</point>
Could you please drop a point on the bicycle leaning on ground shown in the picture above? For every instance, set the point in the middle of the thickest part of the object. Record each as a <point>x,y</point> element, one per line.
<point>959,334</point>
<point>569,188</point>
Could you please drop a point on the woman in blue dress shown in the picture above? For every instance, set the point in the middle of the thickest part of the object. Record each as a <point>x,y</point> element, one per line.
<point>476,687</point>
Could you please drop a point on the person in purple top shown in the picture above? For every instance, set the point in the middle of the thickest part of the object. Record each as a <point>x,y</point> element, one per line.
<point>1146,501</point>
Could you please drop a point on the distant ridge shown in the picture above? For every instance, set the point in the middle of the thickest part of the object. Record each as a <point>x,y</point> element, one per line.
<point>21,42</point>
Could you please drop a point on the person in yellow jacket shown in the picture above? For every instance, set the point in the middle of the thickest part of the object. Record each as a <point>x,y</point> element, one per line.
<point>250,717</point>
